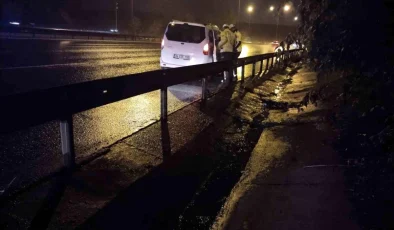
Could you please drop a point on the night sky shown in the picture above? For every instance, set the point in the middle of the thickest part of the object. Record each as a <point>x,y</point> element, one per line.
<point>261,14</point>
<point>72,11</point>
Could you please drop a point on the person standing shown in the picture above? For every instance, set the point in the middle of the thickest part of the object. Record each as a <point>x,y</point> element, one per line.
<point>238,41</point>
<point>279,51</point>
<point>238,45</point>
<point>226,46</point>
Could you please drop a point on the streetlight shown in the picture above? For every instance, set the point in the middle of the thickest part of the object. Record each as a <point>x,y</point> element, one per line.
<point>132,17</point>
<point>132,10</point>
<point>250,11</point>
<point>295,18</point>
<point>116,16</point>
<point>239,11</point>
<point>286,8</point>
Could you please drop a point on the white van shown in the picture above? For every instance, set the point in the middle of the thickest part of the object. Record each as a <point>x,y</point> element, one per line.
<point>186,43</point>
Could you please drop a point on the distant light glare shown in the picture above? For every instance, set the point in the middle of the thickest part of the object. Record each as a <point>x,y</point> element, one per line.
<point>295,18</point>
<point>245,51</point>
<point>250,9</point>
<point>65,43</point>
<point>15,23</point>
<point>272,8</point>
<point>286,8</point>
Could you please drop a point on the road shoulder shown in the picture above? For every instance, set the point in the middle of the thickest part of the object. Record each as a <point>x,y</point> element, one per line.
<point>293,179</point>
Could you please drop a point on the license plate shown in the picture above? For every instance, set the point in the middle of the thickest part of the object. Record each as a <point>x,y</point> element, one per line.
<point>181,56</point>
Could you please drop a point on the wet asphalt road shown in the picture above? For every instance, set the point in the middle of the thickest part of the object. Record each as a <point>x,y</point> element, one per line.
<point>27,64</point>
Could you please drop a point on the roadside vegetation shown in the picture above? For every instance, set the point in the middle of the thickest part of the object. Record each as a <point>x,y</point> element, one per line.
<point>350,44</point>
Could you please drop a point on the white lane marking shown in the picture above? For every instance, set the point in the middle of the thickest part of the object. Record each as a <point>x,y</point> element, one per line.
<point>39,66</point>
<point>2,36</point>
<point>99,62</point>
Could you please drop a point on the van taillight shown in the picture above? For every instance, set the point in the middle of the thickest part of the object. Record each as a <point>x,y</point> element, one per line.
<point>162,43</point>
<point>206,49</point>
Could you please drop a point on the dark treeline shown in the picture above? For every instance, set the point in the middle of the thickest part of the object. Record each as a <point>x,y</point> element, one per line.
<point>352,42</point>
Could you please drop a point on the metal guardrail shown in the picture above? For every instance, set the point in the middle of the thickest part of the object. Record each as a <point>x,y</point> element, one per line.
<point>28,109</point>
<point>56,32</point>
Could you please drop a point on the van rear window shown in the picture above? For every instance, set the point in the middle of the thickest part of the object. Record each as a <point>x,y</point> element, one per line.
<point>185,33</point>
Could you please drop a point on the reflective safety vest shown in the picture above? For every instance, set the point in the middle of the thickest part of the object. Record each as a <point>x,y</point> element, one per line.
<point>278,49</point>
<point>227,41</point>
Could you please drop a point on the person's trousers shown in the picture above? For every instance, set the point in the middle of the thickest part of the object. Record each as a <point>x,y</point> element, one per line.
<point>237,54</point>
<point>228,56</point>
<point>235,58</point>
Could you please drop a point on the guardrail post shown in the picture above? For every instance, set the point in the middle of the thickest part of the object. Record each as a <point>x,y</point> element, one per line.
<point>254,69</point>
<point>67,141</point>
<point>204,90</point>
<point>267,64</point>
<point>272,63</point>
<point>243,72</point>
<point>163,103</point>
<point>261,67</point>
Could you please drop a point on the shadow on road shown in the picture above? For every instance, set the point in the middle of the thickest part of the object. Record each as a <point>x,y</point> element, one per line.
<point>191,91</point>
<point>186,92</point>
<point>165,140</point>
<point>156,200</point>
<point>52,200</point>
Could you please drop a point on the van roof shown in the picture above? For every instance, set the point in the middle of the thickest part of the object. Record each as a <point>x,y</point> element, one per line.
<point>213,27</point>
<point>190,23</point>
<point>209,25</point>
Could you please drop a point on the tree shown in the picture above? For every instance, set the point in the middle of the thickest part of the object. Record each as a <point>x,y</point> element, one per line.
<point>135,26</point>
<point>156,28</point>
<point>353,38</point>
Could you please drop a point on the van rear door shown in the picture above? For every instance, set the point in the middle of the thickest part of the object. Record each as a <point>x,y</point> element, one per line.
<point>184,44</point>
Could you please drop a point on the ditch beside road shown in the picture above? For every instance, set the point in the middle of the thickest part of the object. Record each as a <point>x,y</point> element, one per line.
<point>294,178</point>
